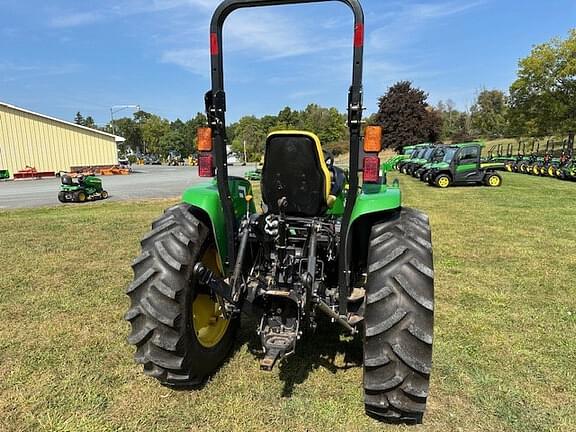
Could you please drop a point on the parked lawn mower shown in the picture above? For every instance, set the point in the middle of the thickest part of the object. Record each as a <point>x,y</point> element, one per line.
<point>85,188</point>
<point>322,245</point>
<point>462,165</point>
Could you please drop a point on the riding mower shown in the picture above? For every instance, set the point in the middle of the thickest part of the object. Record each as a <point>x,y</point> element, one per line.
<point>462,165</point>
<point>86,188</point>
<point>323,244</point>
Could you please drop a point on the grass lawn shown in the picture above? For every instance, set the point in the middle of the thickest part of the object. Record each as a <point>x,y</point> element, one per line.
<point>505,347</point>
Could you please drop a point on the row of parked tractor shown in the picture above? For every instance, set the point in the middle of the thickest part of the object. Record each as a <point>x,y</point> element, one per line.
<point>556,159</point>
<point>447,165</point>
<point>463,164</point>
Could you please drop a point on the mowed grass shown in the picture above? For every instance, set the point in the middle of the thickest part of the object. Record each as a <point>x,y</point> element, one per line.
<point>505,344</point>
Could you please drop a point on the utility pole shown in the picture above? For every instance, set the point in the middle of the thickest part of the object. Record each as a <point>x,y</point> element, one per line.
<point>245,161</point>
<point>117,108</point>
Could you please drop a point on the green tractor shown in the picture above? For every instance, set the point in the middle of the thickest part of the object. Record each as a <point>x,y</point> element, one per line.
<point>414,154</point>
<point>323,245</point>
<point>462,165</point>
<point>422,157</point>
<point>436,156</point>
<point>392,163</point>
<point>86,188</point>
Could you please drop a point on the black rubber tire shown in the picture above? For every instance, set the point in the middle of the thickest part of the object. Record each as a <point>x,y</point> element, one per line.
<point>441,176</point>
<point>399,318</point>
<point>161,303</point>
<point>104,194</point>
<point>62,197</point>
<point>80,196</point>
<point>489,176</point>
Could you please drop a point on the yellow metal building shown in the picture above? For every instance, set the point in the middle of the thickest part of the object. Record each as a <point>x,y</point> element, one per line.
<point>49,144</point>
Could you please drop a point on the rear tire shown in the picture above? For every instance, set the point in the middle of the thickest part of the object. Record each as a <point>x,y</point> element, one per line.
<point>62,197</point>
<point>493,180</point>
<point>443,181</point>
<point>162,296</point>
<point>399,319</point>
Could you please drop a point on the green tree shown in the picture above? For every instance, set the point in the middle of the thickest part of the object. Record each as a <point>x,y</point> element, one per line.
<point>406,117</point>
<point>131,131</point>
<point>542,98</point>
<point>249,130</point>
<point>489,114</point>
<point>327,123</point>
<point>173,140</point>
<point>153,129</point>
<point>79,118</point>
<point>89,122</point>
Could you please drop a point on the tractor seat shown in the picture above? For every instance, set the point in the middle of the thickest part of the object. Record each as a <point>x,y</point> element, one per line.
<point>295,176</point>
<point>67,180</point>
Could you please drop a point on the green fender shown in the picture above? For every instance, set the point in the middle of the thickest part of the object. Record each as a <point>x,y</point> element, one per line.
<point>205,201</point>
<point>376,198</point>
<point>373,204</point>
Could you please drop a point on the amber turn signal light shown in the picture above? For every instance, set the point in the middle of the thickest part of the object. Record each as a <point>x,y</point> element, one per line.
<point>204,139</point>
<point>373,139</point>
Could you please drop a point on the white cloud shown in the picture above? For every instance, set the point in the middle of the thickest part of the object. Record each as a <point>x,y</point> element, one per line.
<point>193,60</point>
<point>74,19</point>
<point>406,25</point>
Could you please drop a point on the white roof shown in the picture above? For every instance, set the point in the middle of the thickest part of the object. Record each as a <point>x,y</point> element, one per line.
<point>116,137</point>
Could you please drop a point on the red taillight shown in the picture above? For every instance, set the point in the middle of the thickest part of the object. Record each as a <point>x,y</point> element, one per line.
<point>214,48</point>
<point>371,169</point>
<point>206,165</point>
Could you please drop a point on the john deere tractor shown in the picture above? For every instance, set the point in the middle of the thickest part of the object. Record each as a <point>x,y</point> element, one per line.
<point>85,188</point>
<point>324,244</point>
<point>462,165</point>
<point>391,163</point>
<point>417,150</point>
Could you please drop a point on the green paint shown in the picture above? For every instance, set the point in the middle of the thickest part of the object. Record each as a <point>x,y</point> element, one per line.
<point>375,198</point>
<point>206,198</point>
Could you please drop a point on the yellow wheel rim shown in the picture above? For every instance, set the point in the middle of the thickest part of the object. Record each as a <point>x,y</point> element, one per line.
<point>494,181</point>
<point>551,172</point>
<point>207,318</point>
<point>81,197</point>
<point>444,182</point>
<point>536,170</point>
<point>509,168</point>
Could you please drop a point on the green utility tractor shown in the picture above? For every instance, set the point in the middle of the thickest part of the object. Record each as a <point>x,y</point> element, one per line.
<point>462,165</point>
<point>324,244</point>
<point>86,188</point>
<point>436,156</point>
<point>423,156</point>
<point>4,174</point>
<point>416,151</point>
<point>391,164</point>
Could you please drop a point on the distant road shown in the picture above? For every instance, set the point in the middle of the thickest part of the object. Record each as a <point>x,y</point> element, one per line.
<point>150,181</point>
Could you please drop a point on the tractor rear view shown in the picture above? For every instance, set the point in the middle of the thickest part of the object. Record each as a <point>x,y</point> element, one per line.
<point>327,242</point>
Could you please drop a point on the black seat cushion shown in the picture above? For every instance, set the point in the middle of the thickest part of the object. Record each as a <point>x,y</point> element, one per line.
<point>292,170</point>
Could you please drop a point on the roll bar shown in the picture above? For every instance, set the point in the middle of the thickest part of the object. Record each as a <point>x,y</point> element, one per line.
<point>215,101</point>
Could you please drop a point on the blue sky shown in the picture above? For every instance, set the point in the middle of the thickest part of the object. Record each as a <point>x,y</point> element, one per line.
<point>63,56</point>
